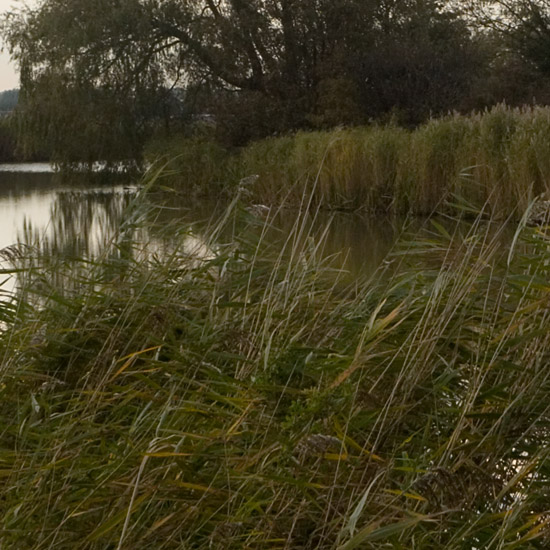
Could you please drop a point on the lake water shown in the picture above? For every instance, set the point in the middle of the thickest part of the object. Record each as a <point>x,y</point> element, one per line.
<point>76,216</point>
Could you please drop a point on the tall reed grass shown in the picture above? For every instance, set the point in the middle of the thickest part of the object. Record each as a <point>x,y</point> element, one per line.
<point>246,398</point>
<point>499,158</point>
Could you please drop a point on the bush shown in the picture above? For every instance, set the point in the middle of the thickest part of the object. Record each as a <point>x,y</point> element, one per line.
<point>224,396</point>
<point>496,159</point>
<point>194,163</point>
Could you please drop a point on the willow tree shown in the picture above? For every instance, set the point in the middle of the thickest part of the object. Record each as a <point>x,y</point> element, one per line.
<point>82,60</point>
<point>523,24</point>
<point>94,73</point>
<point>89,86</point>
<point>517,33</point>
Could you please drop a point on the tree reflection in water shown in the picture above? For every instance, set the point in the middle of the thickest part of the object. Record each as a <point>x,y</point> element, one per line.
<point>79,222</point>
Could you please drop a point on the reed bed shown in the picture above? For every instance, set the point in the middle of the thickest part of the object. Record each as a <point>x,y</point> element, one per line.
<point>236,396</point>
<point>498,158</point>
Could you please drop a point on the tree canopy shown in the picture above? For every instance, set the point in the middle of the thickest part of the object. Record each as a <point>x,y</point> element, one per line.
<point>100,71</point>
<point>524,24</point>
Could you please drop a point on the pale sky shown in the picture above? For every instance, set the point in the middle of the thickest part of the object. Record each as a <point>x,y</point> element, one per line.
<point>8,73</point>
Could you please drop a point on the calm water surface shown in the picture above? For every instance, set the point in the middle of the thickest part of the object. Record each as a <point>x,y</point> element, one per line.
<point>77,217</point>
<point>34,199</point>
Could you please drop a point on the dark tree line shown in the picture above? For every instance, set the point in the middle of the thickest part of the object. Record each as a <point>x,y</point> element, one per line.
<point>8,100</point>
<point>98,77</point>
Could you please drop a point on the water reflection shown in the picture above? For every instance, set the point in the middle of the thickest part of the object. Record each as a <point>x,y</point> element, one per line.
<point>28,167</point>
<point>77,218</point>
<point>80,223</point>
<point>24,196</point>
<point>355,243</point>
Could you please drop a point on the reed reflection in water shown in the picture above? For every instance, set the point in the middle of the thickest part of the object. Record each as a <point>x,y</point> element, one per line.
<point>80,224</point>
<point>75,218</point>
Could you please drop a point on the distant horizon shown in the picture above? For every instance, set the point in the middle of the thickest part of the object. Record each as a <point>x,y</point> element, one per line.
<point>10,89</point>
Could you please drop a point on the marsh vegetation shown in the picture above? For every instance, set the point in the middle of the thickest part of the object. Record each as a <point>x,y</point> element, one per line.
<point>497,160</point>
<point>245,381</point>
<point>242,395</point>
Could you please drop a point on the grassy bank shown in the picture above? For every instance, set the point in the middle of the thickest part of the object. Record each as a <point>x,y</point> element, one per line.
<point>215,397</point>
<point>499,159</point>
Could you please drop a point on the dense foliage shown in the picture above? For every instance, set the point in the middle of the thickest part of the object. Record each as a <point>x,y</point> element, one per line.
<point>7,142</point>
<point>8,135</point>
<point>197,393</point>
<point>498,159</point>
<point>94,74</point>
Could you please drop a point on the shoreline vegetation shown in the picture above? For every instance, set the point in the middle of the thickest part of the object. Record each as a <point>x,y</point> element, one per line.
<point>8,139</point>
<point>497,160</point>
<point>221,397</point>
<point>227,384</point>
<point>10,149</point>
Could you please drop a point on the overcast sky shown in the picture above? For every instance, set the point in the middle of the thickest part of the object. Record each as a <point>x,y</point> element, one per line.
<point>8,74</point>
